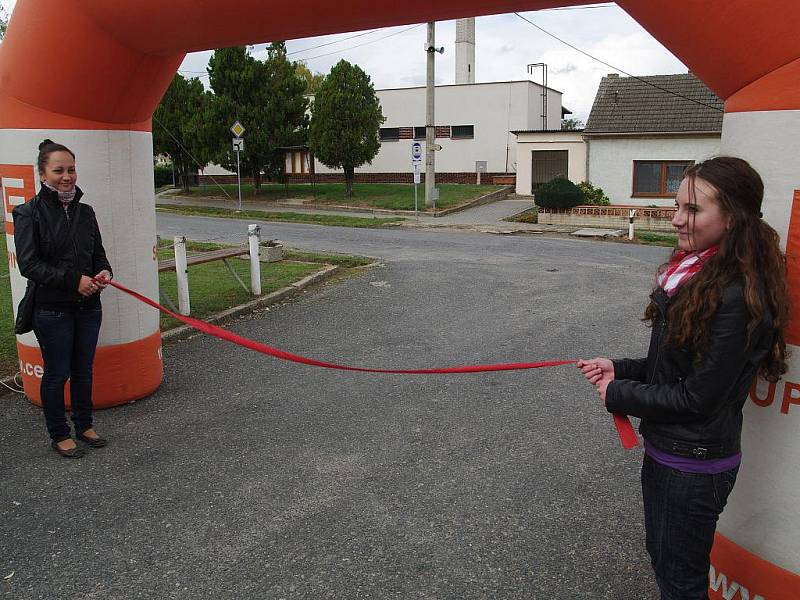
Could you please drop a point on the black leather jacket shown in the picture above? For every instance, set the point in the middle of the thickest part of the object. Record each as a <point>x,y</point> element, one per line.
<point>693,407</point>
<point>39,232</point>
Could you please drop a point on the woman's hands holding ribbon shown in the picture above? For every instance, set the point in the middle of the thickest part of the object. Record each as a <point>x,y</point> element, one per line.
<point>599,372</point>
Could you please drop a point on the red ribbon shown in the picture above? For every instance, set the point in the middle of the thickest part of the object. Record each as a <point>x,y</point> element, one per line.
<point>624,428</point>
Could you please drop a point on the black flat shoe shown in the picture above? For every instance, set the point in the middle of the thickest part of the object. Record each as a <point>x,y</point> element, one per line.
<point>71,453</point>
<point>97,442</point>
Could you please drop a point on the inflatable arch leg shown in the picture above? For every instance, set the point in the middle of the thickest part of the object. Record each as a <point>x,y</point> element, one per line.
<point>116,170</point>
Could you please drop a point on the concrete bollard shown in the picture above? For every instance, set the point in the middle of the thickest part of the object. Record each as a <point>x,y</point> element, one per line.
<point>254,238</point>
<point>182,272</point>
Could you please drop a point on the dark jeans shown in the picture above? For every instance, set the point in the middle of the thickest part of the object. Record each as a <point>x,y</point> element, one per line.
<point>68,339</point>
<point>681,512</point>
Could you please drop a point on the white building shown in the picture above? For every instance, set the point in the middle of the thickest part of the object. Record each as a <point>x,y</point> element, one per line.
<point>473,123</point>
<point>641,135</point>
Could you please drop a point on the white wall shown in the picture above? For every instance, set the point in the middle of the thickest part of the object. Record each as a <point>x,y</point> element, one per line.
<point>611,161</point>
<point>494,109</point>
<point>527,143</point>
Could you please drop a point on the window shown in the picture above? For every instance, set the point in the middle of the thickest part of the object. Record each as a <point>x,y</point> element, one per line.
<point>419,133</point>
<point>657,177</point>
<point>389,134</point>
<point>462,132</point>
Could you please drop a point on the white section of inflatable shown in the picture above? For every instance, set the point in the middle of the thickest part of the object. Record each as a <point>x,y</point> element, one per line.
<point>115,171</point>
<point>762,514</point>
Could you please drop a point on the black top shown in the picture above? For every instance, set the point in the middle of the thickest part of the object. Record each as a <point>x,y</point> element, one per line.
<point>689,406</point>
<point>41,227</point>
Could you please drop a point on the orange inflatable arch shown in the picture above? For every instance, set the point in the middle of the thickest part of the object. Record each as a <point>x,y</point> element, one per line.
<point>89,73</point>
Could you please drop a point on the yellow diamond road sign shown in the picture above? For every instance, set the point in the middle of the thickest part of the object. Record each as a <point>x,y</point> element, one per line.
<point>237,129</point>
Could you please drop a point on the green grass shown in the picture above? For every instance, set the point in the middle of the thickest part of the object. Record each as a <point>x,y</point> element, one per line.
<point>211,286</point>
<point>653,238</point>
<point>285,217</point>
<point>8,341</point>
<point>392,196</point>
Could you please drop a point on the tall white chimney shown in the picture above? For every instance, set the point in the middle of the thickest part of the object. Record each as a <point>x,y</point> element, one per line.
<point>465,50</point>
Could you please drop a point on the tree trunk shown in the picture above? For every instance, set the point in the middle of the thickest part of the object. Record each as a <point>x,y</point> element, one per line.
<point>256,181</point>
<point>348,181</point>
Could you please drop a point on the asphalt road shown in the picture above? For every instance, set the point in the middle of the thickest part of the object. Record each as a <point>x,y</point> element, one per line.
<point>247,477</point>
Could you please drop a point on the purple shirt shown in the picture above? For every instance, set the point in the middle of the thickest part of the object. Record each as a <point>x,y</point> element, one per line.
<point>692,465</point>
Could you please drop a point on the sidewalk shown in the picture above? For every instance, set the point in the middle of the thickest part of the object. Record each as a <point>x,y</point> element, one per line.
<point>487,218</point>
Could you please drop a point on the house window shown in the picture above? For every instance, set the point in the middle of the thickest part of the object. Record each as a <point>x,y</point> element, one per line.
<point>658,178</point>
<point>419,133</point>
<point>462,132</point>
<point>389,134</point>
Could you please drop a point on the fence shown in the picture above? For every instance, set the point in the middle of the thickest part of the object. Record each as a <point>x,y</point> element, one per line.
<point>616,216</point>
<point>181,263</point>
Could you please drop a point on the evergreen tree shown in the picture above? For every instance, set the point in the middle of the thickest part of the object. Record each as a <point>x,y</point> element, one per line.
<point>267,98</point>
<point>180,127</point>
<point>345,120</point>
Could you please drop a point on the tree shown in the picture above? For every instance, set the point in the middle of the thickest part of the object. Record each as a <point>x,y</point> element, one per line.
<point>181,126</point>
<point>313,80</point>
<point>3,23</point>
<point>571,124</point>
<point>267,98</point>
<point>345,120</point>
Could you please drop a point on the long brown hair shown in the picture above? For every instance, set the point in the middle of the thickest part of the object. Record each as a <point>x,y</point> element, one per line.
<point>749,253</point>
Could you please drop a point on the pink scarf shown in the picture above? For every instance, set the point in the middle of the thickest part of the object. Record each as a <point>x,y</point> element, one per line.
<point>64,197</point>
<point>683,266</point>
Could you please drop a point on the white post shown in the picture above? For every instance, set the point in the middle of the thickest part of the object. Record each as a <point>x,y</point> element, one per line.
<point>182,271</point>
<point>254,237</point>
<point>631,214</point>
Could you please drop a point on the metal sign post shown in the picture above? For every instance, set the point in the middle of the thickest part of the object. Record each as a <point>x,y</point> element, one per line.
<point>238,146</point>
<point>416,162</point>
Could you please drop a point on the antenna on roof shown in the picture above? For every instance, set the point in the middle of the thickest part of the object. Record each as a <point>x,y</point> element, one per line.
<point>531,68</point>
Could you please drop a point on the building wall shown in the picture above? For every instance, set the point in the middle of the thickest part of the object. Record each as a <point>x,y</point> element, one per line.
<point>527,143</point>
<point>611,161</point>
<point>494,109</point>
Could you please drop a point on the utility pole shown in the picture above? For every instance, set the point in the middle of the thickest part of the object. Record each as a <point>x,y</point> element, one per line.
<point>430,131</point>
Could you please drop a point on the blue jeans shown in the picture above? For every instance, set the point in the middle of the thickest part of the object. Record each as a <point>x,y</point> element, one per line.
<point>681,512</point>
<point>68,339</point>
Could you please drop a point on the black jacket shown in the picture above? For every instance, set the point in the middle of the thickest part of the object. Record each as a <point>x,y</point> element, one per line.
<point>40,229</point>
<point>693,407</point>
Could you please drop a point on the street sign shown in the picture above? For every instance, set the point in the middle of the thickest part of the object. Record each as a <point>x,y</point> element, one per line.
<point>417,178</point>
<point>237,129</point>
<point>416,152</point>
<point>436,147</point>
<point>238,144</point>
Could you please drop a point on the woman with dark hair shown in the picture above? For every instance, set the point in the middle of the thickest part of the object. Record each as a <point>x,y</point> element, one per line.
<point>717,316</point>
<point>60,251</point>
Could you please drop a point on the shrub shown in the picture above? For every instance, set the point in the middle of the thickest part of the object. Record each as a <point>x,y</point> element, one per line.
<point>593,195</point>
<point>163,175</point>
<point>559,193</point>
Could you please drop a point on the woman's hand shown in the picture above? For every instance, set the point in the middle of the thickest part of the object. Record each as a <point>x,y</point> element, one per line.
<point>599,372</point>
<point>102,278</point>
<point>87,287</point>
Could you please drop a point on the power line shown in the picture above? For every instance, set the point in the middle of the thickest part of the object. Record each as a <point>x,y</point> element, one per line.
<point>617,68</point>
<point>333,42</point>
<point>365,43</point>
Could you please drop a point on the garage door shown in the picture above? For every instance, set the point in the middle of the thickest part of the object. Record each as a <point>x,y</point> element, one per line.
<point>548,164</point>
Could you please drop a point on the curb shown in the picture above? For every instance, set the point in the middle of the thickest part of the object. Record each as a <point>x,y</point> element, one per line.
<point>485,199</point>
<point>293,289</point>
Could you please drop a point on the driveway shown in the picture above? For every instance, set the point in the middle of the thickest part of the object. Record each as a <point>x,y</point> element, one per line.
<point>247,477</point>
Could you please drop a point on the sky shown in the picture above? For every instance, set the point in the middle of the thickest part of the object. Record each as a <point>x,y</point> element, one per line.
<point>505,45</point>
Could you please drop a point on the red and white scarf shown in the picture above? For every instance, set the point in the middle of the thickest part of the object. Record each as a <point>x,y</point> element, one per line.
<point>683,266</point>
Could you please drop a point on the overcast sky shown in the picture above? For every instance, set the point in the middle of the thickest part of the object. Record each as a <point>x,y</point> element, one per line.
<point>505,45</point>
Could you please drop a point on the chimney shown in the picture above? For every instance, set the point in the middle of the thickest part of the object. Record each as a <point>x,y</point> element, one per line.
<point>465,50</point>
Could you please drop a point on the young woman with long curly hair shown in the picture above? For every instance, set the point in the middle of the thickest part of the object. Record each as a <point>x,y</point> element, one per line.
<point>717,315</point>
